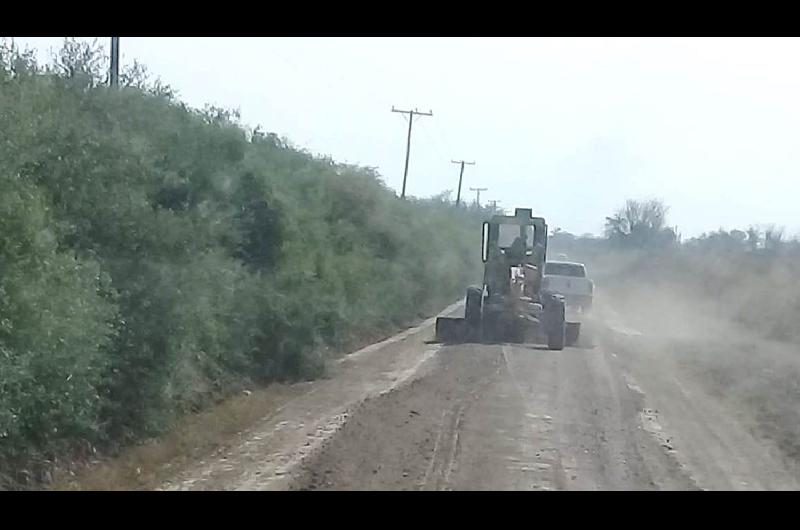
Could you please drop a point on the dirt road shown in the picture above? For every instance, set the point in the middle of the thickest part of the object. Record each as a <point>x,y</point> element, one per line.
<point>627,409</point>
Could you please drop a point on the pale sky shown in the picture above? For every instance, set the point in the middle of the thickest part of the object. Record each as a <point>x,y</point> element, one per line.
<point>568,126</point>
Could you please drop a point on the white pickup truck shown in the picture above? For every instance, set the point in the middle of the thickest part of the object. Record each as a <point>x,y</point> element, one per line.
<point>569,279</point>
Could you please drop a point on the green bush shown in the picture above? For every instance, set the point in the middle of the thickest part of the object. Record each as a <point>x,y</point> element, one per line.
<point>56,315</point>
<point>154,257</point>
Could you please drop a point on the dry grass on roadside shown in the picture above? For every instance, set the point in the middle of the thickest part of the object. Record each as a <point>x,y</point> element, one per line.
<point>147,466</point>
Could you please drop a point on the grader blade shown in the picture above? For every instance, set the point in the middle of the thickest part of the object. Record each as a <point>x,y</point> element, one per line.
<point>451,330</point>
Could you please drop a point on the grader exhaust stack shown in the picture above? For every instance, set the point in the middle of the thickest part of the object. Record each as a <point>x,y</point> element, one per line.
<point>510,305</point>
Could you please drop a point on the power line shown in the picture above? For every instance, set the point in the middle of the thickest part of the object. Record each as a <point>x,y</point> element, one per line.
<point>442,138</point>
<point>437,147</point>
<point>460,177</point>
<point>478,194</point>
<point>434,143</point>
<point>408,141</point>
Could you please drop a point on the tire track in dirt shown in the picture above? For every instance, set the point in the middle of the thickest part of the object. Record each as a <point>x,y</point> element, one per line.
<point>556,464</point>
<point>410,438</point>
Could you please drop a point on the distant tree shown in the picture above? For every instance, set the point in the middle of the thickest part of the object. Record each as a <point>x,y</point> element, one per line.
<point>83,63</point>
<point>773,238</point>
<point>738,235</point>
<point>136,75</point>
<point>444,196</point>
<point>640,224</point>
<point>561,237</point>
<point>15,62</point>
<point>753,238</point>
<point>721,240</point>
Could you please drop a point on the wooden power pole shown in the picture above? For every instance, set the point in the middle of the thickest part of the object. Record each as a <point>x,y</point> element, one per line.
<point>478,194</point>
<point>460,177</point>
<point>411,114</point>
<point>114,70</point>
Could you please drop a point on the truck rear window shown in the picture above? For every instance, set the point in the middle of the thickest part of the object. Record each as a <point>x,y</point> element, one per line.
<point>564,269</point>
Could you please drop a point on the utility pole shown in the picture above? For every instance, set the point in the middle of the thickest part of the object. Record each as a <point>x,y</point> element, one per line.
<point>460,177</point>
<point>114,73</point>
<point>478,194</point>
<point>408,142</point>
<point>494,205</point>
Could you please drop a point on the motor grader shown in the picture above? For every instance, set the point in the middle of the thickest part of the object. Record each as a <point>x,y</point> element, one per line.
<point>510,305</point>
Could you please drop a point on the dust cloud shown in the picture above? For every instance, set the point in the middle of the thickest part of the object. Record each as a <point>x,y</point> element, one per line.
<point>725,323</point>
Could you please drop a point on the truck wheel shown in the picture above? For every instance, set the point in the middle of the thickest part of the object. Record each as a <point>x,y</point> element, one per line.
<point>556,339</point>
<point>572,333</point>
<point>556,325</point>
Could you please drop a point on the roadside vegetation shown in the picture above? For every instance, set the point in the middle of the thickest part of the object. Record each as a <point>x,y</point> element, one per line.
<point>156,258</point>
